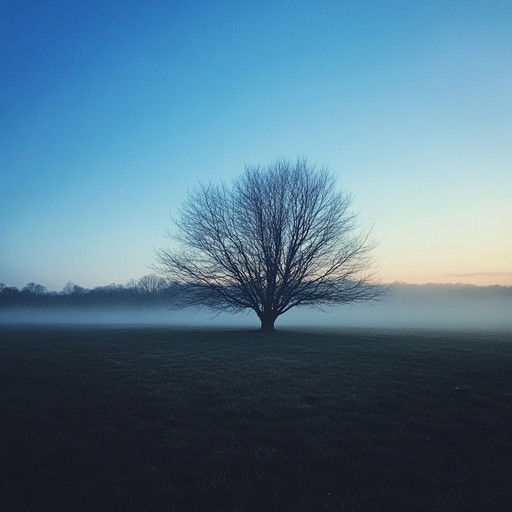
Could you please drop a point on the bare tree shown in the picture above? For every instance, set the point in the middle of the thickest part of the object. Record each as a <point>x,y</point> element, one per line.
<point>34,289</point>
<point>72,289</point>
<point>280,236</point>
<point>133,286</point>
<point>151,284</point>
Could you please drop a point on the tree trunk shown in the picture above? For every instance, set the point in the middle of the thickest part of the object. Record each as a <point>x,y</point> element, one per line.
<point>267,322</point>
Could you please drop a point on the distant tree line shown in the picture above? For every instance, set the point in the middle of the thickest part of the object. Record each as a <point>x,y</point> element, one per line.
<point>452,291</point>
<point>154,291</point>
<point>149,290</point>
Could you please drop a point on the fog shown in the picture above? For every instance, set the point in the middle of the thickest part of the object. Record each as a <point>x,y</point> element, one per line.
<point>429,306</point>
<point>420,307</point>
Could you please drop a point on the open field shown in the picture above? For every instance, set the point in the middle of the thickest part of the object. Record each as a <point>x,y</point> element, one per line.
<point>161,419</point>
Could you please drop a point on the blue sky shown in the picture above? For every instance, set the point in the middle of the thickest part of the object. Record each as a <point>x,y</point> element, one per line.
<point>111,111</point>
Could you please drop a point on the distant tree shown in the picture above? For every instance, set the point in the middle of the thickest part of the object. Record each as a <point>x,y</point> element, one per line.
<point>73,289</point>
<point>68,288</point>
<point>34,289</point>
<point>10,290</point>
<point>10,296</point>
<point>112,288</point>
<point>280,236</point>
<point>151,284</point>
<point>132,285</point>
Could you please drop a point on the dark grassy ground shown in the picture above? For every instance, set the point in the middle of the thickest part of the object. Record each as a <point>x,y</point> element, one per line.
<point>155,419</point>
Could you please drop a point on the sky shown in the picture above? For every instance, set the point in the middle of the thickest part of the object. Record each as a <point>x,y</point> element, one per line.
<point>111,111</point>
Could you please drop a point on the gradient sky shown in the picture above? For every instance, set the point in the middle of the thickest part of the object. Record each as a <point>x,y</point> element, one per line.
<point>110,111</point>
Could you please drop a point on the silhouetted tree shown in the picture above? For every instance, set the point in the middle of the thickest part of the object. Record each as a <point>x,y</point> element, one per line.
<point>151,284</point>
<point>280,236</point>
<point>73,289</point>
<point>34,289</point>
<point>133,286</point>
<point>10,296</point>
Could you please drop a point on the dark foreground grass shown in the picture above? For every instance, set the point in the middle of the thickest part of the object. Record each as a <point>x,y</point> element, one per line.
<point>155,419</point>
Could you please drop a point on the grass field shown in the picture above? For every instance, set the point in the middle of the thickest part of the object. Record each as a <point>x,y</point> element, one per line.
<point>158,419</point>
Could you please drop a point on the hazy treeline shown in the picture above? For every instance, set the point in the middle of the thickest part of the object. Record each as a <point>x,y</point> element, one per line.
<point>429,305</point>
<point>452,290</point>
<point>151,299</point>
<point>149,290</point>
